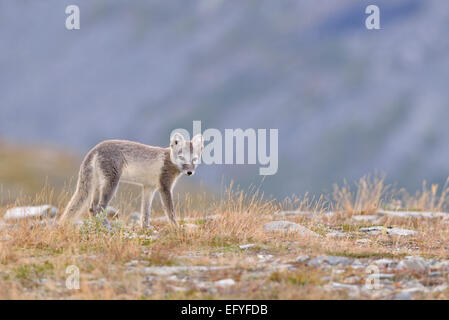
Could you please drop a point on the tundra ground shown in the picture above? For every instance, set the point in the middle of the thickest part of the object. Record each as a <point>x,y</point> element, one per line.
<point>369,243</point>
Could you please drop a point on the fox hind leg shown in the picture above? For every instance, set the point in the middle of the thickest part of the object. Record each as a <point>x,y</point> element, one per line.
<point>94,205</point>
<point>108,190</point>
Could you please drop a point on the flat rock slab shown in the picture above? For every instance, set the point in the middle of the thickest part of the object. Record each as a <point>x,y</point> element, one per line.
<point>45,211</point>
<point>367,217</point>
<point>329,260</point>
<point>305,214</point>
<point>247,246</point>
<point>293,214</point>
<point>337,234</point>
<point>164,271</point>
<point>211,217</point>
<point>413,263</point>
<point>413,214</point>
<point>390,231</point>
<point>287,226</point>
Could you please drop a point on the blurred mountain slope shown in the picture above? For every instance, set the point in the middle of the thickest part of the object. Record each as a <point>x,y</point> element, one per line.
<point>346,100</point>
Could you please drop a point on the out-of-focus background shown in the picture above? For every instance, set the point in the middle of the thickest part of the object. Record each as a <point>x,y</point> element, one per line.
<point>346,100</point>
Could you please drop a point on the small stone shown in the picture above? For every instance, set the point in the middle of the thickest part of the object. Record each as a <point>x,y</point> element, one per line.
<point>352,280</point>
<point>247,246</point>
<point>111,212</point>
<point>383,276</point>
<point>293,214</point>
<point>264,257</point>
<point>315,262</point>
<point>401,232</point>
<point>132,263</point>
<point>413,214</point>
<point>337,235</point>
<point>402,296</point>
<point>390,231</point>
<point>302,258</point>
<point>370,217</point>
<point>335,260</point>
<point>225,282</point>
<point>287,226</point>
<point>330,260</point>
<point>373,230</point>
<point>44,211</point>
<point>440,288</point>
<point>385,263</point>
<point>357,264</point>
<point>412,263</point>
<point>442,264</point>
<point>169,270</point>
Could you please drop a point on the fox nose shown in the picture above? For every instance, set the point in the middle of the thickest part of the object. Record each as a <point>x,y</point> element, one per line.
<point>189,173</point>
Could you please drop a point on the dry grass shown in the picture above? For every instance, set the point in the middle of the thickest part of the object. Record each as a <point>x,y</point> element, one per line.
<point>33,261</point>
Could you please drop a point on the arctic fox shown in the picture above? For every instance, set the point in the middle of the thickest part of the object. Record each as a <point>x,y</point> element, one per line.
<point>153,168</point>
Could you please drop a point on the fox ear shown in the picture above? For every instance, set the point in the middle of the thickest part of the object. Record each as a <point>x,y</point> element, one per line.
<point>176,140</point>
<point>197,142</point>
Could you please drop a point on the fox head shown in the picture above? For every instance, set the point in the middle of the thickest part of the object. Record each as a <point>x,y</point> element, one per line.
<point>184,154</point>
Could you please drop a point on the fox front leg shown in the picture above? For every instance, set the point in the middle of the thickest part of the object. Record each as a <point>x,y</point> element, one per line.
<point>145,209</point>
<point>167,201</point>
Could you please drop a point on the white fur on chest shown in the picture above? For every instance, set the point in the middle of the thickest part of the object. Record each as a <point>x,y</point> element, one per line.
<point>143,173</point>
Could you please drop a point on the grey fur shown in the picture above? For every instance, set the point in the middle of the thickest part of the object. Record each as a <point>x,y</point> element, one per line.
<point>153,168</point>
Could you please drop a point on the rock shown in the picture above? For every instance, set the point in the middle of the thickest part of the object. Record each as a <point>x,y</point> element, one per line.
<point>413,214</point>
<point>412,263</point>
<point>402,296</point>
<point>132,263</point>
<point>287,226</point>
<point>169,270</point>
<point>302,258</point>
<point>334,260</point>
<point>357,264</point>
<point>401,232</point>
<point>442,264</point>
<point>330,260</point>
<point>293,214</point>
<point>352,280</point>
<point>385,263</point>
<point>440,288</point>
<point>111,212</point>
<point>373,230</point>
<point>265,257</point>
<point>416,290</point>
<point>370,217</point>
<point>44,211</point>
<point>353,289</point>
<point>337,235</point>
<point>315,262</point>
<point>225,282</point>
<point>383,276</point>
<point>211,217</point>
<point>390,231</point>
<point>247,246</point>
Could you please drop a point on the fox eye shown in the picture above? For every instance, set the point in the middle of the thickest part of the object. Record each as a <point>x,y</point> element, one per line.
<point>195,159</point>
